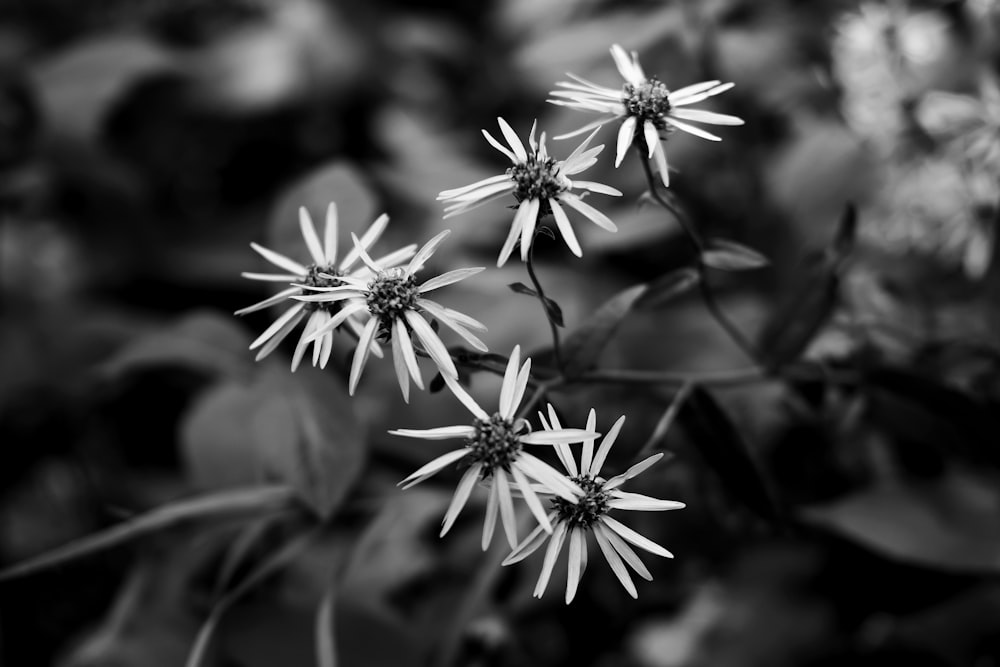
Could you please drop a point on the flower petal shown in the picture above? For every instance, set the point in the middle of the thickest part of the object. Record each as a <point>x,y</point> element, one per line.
<point>660,163</point>
<point>562,222</point>
<point>700,116</point>
<point>449,194</point>
<point>426,251</point>
<point>406,349</point>
<point>625,135</point>
<point>432,344</point>
<point>277,325</point>
<point>554,481</point>
<point>691,129</point>
<point>338,318</point>
<point>511,137</point>
<point>529,545</point>
<point>577,562</point>
<point>590,212</point>
<point>555,436</point>
<point>597,187</point>
<point>625,66</point>
<point>449,278</point>
<point>283,295</point>
<point>464,398</point>
<point>361,353</point>
<point>555,545</point>
<point>635,538</point>
<point>624,550</point>
<point>587,451</point>
<point>634,470</point>
<point>652,138</point>
<point>509,382</point>
<point>462,492</point>
<point>531,499</point>
<point>330,235</point>
<point>615,561</point>
<point>439,433</point>
<point>500,147</point>
<point>528,227</point>
<point>609,439</point>
<point>434,467</point>
<point>280,260</point>
<point>368,239</point>
<point>399,363</point>
<point>490,523</point>
<point>271,277</point>
<point>309,234</point>
<point>507,517</point>
<point>514,233</point>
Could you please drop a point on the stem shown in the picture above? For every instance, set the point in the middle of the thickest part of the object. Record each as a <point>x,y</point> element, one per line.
<point>556,351</point>
<point>707,296</point>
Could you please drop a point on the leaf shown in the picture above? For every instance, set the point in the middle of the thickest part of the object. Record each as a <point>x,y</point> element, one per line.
<point>583,345</point>
<point>552,309</point>
<point>521,288</point>
<point>847,232</point>
<point>308,436</point>
<point>949,524</point>
<point>226,504</point>
<point>204,341</point>
<point>915,408</point>
<point>669,286</point>
<point>726,452</point>
<point>731,256</point>
<point>794,324</point>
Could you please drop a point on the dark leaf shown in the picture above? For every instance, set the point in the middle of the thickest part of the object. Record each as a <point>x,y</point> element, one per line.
<point>950,524</point>
<point>554,312</point>
<point>521,288</point>
<point>725,450</point>
<point>437,384</point>
<point>847,231</point>
<point>731,256</point>
<point>669,286</point>
<point>794,323</point>
<point>584,344</point>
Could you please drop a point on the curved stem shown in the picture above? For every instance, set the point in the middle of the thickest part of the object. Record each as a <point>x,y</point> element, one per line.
<point>556,351</point>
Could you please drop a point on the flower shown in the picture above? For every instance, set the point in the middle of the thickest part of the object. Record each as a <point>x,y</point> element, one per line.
<point>396,305</point>
<point>587,513</point>
<point>322,273</point>
<point>540,184</point>
<point>649,108</point>
<point>494,451</point>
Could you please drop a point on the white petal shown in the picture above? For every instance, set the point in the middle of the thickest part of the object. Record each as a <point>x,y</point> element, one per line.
<point>425,252</point>
<point>272,277</point>
<point>587,453</point>
<point>280,260</point>
<point>625,135</point>
<point>461,496</point>
<point>465,399</point>
<point>519,386</point>
<point>660,162</point>
<point>531,499</point>
<point>279,336</point>
<point>434,467</point>
<point>507,517</point>
<point>309,234</point>
<point>624,550</point>
<point>693,89</point>
<point>449,194</point>
<point>439,433</point>
<point>449,278</point>
<point>700,116</point>
<point>366,259</point>
<point>615,561</point>
<point>399,364</point>
<point>528,227</point>
<point>276,325</point>
<point>679,101</point>
<point>637,502</point>
<point>432,344</point>
<point>338,318</point>
<point>500,147</point>
<point>396,257</point>
<point>625,66</point>
<point>609,439</point>
<point>330,234</point>
<point>635,538</point>
<point>448,318</point>
<point>406,348</point>
<point>691,129</point>
<point>652,138</point>
<point>562,222</point>
<point>511,137</point>
<point>590,212</point>
<point>586,128</point>
<point>634,470</point>
<point>577,545</point>
<point>515,232</point>
<point>486,191</point>
<point>361,353</point>
<point>367,240</point>
<point>555,436</point>
<point>490,523</point>
<point>574,157</point>
<point>555,545</point>
<point>554,481</point>
<point>597,187</point>
<point>529,545</point>
<point>283,295</point>
<point>509,382</point>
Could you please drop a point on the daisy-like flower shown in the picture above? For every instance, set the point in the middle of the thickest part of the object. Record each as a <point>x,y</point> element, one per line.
<point>649,109</point>
<point>540,185</point>
<point>495,453</point>
<point>396,307</point>
<point>323,272</point>
<point>587,513</point>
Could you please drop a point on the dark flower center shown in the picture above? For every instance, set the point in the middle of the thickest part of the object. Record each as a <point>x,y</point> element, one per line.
<point>494,445</point>
<point>315,278</point>
<point>648,102</point>
<point>390,295</point>
<point>537,179</point>
<point>588,509</point>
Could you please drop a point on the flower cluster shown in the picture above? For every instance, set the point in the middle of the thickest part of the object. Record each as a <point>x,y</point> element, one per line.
<point>380,301</point>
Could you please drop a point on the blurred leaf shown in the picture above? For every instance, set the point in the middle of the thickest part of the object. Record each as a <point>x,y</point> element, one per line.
<point>80,85</point>
<point>949,524</point>
<point>225,504</point>
<point>731,256</point>
<point>552,310</point>
<point>919,409</point>
<point>726,452</point>
<point>583,345</point>
<point>521,288</point>
<point>205,341</point>
<point>308,436</point>
<point>796,321</point>
<point>669,286</point>
<point>847,232</point>
<point>338,182</point>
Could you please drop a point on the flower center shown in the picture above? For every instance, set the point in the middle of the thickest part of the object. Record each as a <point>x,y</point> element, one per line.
<point>390,295</point>
<point>648,102</point>
<point>494,445</point>
<point>314,279</point>
<point>537,179</point>
<point>588,509</point>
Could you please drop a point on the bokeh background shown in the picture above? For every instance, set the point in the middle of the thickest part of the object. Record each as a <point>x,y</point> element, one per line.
<point>844,517</point>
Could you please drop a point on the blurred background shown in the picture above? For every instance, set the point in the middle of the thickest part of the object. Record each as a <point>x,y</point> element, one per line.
<point>851,517</point>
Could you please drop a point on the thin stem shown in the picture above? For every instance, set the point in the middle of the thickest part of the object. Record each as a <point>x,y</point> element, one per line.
<point>542,389</point>
<point>556,351</point>
<point>707,296</point>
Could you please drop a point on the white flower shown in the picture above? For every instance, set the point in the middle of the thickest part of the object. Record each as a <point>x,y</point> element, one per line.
<point>396,306</point>
<point>540,185</point>
<point>322,272</point>
<point>494,451</point>
<point>587,513</point>
<point>650,109</point>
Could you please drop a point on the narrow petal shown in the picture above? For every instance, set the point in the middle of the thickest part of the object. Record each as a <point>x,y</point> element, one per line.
<point>309,234</point>
<point>507,517</point>
<point>625,135</point>
<point>660,162</point>
<point>395,257</point>
<point>652,138</point>
<point>563,451</point>
<point>361,353</point>
<point>515,232</point>
<point>448,194</point>
<point>511,137</point>
<point>638,502</point>
<point>399,364</point>
<point>587,451</point>
<point>531,499</point>
<point>280,260</point>
<point>569,162</point>
<point>362,253</point>
<point>276,325</point>
<point>625,66</point>
<point>590,212</point>
<point>338,318</point>
<point>486,191</point>
<point>635,538</point>
<point>464,398</point>
<point>597,187</point>
<point>406,349</point>
<point>691,129</point>
<point>449,278</point>
<point>330,234</point>
<point>439,433</point>
<point>520,384</point>
<point>529,545</point>
<point>562,222</point>
<point>677,101</point>
<point>577,547</point>
<point>509,381</point>
<point>490,523</point>
<point>434,467</point>
<point>609,439</point>
<point>279,336</point>
<point>272,277</point>
<point>462,492</point>
<point>283,295</point>
<point>324,356</point>
<point>528,227</point>
<point>624,550</point>
<point>555,436</point>
<point>500,147</point>
<point>586,128</point>
<point>634,470</point>
<point>693,89</point>
<point>447,318</point>
<point>555,545</point>
<point>367,240</point>
<point>426,251</point>
<point>432,344</point>
<point>700,116</point>
<point>548,476</point>
<point>615,561</point>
